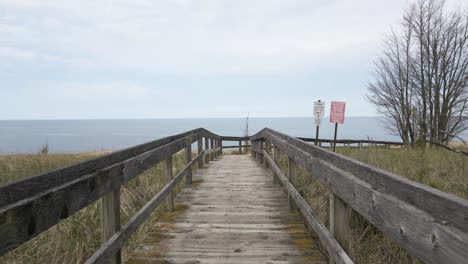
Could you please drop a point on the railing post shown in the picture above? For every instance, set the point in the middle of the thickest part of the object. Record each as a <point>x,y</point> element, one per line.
<point>221,146</point>
<point>207,148</point>
<point>340,214</point>
<point>292,173</point>
<point>240,147</point>
<point>276,160</point>
<point>200,149</point>
<point>110,219</point>
<point>262,160</point>
<point>167,171</point>
<point>211,147</point>
<point>188,159</point>
<point>268,151</point>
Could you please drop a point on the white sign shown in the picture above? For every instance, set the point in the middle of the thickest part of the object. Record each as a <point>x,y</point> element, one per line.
<point>319,109</point>
<point>318,120</point>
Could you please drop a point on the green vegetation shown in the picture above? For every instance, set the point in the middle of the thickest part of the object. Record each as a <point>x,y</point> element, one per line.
<point>436,167</point>
<point>78,237</point>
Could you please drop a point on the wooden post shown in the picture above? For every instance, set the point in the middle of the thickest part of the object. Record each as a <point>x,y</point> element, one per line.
<point>276,160</point>
<point>214,146</point>
<point>207,147</point>
<point>340,214</point>
<point>256,148</point>
<point>188,159</point>
<point>200,149</point>
<point>221,147</point>
<point>240,147</point>
<point>110,219</point>
<point>261,149</point>
<point>292,173</point>
<point>211,147</point>
<point>268,150</point>
<point>167,171</point>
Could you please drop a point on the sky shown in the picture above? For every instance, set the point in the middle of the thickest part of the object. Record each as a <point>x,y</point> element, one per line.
<point>88,59</point>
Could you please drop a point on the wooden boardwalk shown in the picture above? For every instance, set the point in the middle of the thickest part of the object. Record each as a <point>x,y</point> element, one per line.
<point>231,214</point>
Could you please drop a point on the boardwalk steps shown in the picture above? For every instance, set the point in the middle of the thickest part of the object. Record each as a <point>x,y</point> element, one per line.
<point>233,213</point>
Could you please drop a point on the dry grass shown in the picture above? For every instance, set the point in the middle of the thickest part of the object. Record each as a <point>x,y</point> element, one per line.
<point>435,167</point>
<point>78,237</point>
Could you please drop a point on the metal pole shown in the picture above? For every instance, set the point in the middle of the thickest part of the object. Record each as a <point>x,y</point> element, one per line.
<point>334,140</point>
<point>317,135</point>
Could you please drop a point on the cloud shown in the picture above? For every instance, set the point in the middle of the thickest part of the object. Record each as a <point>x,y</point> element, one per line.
<point>211,36</point>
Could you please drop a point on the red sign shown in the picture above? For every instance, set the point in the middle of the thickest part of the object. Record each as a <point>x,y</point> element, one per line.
<point>337,111</point>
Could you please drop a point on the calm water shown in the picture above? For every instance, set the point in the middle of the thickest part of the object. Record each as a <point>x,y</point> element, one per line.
<point>93,135</point>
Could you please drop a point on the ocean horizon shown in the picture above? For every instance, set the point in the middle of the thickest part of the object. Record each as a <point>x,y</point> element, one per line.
<point>88,135</point>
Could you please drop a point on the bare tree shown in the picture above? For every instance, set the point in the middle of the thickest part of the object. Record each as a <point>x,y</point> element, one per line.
<point>393,88</point>
<point>421,77</point>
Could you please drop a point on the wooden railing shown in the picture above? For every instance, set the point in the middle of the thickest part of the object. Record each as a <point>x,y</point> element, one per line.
<point>353,142</point>
<point>430,224</point>
<point>239,146</point>
<point>30,206</point>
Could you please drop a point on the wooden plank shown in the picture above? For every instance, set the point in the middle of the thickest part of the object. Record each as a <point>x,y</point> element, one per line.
<point>405,217</point>
<point>292,176</point>
<point>167,172</point>
<point>234,214</point>
<point>28,187</point>
<point>143,162</point>
<point>228,138</point>
<point>268,150</point>
<point>200,149</point>
<point>188,159</point>
<point>207,148</point>
<point>110,219</point>
<point>117,240</point>
<point>276,160</point>
<point>340,214</point>
<point>25,219</point>
<point>211,148</point>
<point>444,207</point>
<point>220,147</point>
<point>334,249</point>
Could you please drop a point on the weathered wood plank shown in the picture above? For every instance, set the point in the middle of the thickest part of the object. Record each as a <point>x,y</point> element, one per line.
<point>167,172</point>
<point>434,233</point>
<point>110,219</point>
<point>334,249</point>
<point>200,149</point>
<point>292,176</point>
<point>228,138</point>
<point>28,187</point>
<point>25,219</point>
<point>233,214</point>
<point>117,240</point>
<point>188,159</point>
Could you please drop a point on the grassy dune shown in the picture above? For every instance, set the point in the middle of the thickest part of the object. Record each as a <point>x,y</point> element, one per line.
<point>78,237</point>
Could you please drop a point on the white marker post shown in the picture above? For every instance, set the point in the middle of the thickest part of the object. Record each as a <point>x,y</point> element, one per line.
<point>319,110</point>
<point>337,114</point>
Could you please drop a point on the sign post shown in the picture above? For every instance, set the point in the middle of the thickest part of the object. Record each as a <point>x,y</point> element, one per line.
<point>337,113</point>
<point>319,110</point>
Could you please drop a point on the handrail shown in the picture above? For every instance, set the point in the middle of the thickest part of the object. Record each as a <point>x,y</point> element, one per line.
<point>353,141</point>
<point>432,225</point>
<point>30,206</point>
<point>337,252</point>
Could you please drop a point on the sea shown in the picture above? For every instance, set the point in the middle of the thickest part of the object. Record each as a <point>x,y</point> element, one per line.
<point>74,136</point>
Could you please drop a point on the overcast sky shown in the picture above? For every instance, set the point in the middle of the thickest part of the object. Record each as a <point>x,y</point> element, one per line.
<point>63,59</point>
